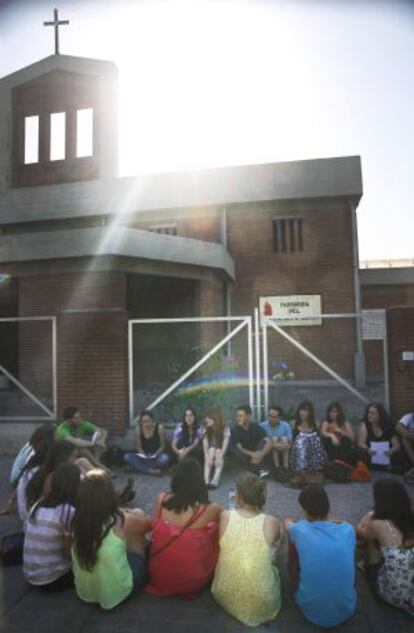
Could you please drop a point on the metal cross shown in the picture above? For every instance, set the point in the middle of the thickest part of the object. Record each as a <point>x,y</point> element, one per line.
<point>56,24</point>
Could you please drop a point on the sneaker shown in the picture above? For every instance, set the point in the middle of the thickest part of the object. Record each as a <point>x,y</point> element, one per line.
<point>212,486</point>
<point>263,473</point>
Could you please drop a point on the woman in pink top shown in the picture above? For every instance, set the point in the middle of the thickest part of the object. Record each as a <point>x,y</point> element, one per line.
<point>184,547</point>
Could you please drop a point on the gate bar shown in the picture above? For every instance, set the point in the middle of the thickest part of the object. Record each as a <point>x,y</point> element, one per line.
<point>177,383</point>
<point>257,349</point>
<point>27,393</point>
<point>265,368</point>
<point>305,351</point>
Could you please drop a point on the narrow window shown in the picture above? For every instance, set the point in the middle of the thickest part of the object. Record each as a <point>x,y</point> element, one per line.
<point>287,235</point>
<point>84,133</point>
<point>300,234</point>
<point>275,236</point>
<point>57,136</point>
<point>31,140</point>
<point>164,229</point>
<point>283,236</point>
<point>292,224</point>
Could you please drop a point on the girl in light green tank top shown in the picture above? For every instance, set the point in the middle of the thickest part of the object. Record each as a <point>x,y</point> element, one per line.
<point>108,544</point>
<point>246,582</point>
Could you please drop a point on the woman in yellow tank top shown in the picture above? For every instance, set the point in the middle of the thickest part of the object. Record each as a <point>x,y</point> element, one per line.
<point>246,582</point>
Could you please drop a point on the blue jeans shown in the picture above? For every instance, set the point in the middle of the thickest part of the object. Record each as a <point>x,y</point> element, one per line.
<point>142,465</point>
<point>139,570</point>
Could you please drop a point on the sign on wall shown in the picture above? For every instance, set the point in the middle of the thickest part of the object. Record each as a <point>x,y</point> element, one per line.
<point>374,326</point>
<point>293,310</point>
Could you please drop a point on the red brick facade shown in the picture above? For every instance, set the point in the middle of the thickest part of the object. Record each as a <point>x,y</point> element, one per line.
<point>401,339</point>
<point>57,91</point>
<point>324,267</point>
<point>91,342</point>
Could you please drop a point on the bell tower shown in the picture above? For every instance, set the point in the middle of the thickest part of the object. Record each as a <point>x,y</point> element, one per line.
<point>58,122</point>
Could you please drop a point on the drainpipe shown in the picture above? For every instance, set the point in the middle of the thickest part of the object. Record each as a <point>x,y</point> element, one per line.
<point>359,357</point>
<point>226,284</point>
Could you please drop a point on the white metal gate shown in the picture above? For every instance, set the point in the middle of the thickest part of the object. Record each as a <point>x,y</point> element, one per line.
<point>243,322</point>
<point>48,412</point>
<point>257,357</point>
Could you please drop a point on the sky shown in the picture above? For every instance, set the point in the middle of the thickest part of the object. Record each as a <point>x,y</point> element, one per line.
<point>206,83</point>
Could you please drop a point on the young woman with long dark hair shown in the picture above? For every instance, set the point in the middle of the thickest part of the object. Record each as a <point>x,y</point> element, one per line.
<point>41,446</point>
<point>184,547</point>
<point>338,435</point>
<point>46,552</point>
<point>108,543</point>
<point>376,426</point>
<point>187,437</point>
<point>388,533</point>
<point>150,456</point>
<point>308,453</point>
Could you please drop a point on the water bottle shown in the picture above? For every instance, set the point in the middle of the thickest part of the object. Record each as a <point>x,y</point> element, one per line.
<point>231,499</point>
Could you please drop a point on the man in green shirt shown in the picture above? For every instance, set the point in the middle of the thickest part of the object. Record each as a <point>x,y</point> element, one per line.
<point>88,438</point>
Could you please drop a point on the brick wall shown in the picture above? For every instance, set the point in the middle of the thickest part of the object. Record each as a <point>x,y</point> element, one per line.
<point>386,296</point>
<point>202,224</point>
<point>92,343</point>
<point>56,91</point>
<point>382,296</point>
<point>324,267</point>
<point>401,338</point>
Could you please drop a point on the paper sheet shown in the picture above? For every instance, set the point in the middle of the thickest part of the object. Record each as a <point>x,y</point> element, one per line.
<point>380,458</point>
<point>146,456</point>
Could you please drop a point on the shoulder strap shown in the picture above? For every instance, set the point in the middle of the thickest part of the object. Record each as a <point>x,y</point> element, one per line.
<point>188,524</point>
<point>160,505</point>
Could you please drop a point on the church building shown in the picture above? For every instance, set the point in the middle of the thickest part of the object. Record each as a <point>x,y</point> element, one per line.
<point>95,251</point>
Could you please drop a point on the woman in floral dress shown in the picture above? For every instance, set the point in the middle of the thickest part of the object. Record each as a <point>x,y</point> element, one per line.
<point>388,534</point>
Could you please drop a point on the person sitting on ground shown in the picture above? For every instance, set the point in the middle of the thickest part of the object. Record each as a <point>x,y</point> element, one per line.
<point>43,433</point>
<point>188,437</point>
<point>338,435</point>
<point>375,427</point>
<point>60,452</point>
<point>46,553</point>
<point>246,581</point>
<point>150,457</point>
<point>322,561</point>
<point>42,445</point>
<point>108,550</point>
<point>87,437</point>
<point>184,547</point>
<point>215,443</point>
<point>308,453</point>
<point>280,433</point>
<point>388,533</point>
<point>405,430</point>
<point>249,444</point>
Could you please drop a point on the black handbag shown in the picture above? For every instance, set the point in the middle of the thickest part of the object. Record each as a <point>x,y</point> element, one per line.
<point>11,549</point>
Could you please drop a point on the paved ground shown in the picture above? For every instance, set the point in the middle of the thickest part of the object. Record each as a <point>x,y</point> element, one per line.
<point>27,610</point>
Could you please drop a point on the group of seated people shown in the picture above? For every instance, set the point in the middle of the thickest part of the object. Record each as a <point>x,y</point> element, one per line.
<point>304,448</point>
<point>79,533</point>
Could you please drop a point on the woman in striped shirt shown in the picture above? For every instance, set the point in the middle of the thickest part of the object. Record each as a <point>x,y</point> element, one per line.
<point>46,552</point>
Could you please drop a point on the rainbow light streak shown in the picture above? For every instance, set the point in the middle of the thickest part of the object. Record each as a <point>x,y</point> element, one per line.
<point>218,381</point>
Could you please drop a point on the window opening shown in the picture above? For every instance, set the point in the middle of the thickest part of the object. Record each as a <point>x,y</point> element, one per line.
<point>164,229</point>
<point>287,235</point>
<point>84,133</point>
<point>57,136</point>
<point>31,140</point>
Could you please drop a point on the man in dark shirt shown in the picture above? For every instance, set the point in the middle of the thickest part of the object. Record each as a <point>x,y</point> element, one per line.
<point>249,444</point>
